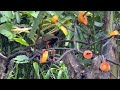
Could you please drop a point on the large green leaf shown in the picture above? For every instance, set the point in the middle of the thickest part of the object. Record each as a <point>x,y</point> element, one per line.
<point>36,68</point>
<point>6,16</point>
<point>36,23</point>
<point>7,33</point>
<point>21,59</point>
<point>21,41</point>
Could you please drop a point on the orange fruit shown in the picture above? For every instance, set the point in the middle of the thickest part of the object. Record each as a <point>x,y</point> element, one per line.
<point>54,19</point>
<point>82,19</point>
<point>87,54</point>
<point>44,57</point>
<point>114,33</point>
<point>105,66</point>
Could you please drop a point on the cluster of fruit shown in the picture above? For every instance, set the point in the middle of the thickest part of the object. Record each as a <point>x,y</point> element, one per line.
<point>82,19</point>
<point>104,66</point>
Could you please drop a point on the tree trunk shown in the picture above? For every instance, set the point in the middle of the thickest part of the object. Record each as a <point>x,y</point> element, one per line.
<point>110,50</point>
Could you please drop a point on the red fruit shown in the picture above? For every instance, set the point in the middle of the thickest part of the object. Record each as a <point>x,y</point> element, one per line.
<point>88,54</point>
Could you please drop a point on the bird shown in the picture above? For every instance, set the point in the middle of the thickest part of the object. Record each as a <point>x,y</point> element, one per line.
<point>49,40</point>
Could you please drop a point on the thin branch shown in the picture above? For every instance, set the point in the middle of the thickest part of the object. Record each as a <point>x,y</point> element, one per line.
<point>64,55</point>
<point>107,42</point>
<point>3,57</point>
<point>16,54</point>
<point>59,48</point>
<point>81,52</point>
<point>72,41</point>
<point>113,74</point>
<point>114,62</point>
<point>97,41</point>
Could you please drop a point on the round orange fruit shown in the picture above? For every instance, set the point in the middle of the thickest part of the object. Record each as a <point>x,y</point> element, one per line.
<point>87,54</point>
<point>54,19</point>
<point>82,18</point>
<point>105,66</point>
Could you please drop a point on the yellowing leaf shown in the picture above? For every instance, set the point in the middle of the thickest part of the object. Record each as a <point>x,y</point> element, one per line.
<point>20,30</point>
<point>64,30</point>
<point>67,23</point>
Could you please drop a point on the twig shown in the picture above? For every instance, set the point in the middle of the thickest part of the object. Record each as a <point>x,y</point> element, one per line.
<point>16,54</point>
<point>72,41</point>
<point>113,74</point>
<point>97,41</point>
<point>3,57</point>
<point>64,55</point>
<point>113,62</point>
<point>59,48</point>
<point>107,42</point>
<point>81,52</point>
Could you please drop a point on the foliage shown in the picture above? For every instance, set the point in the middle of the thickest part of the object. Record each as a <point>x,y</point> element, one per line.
<point>38,23</point>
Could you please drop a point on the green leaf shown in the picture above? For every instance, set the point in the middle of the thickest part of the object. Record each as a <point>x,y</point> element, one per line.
<point>7,33</point>
<point>17,14</point>
<point>35,14</point>
<point>65,72</point>
<point>98,24</point>
<point>69,37</point>
<point>36,68</point>
<point>3,19</point>
<point>60,74</point>
<point>36,23</point>
<point>21,41</point>
<point>47,76</point>
<point>21,59</point>
<point>6,16</point>
<point>26,12</point>
<point>51,12</point>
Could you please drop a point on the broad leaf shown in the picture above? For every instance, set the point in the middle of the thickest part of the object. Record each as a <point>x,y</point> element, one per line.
<point>21,41</point>
<point>7,33</point>
<point>21,59</point>
<point>36,23</point>
<point>36,68</point>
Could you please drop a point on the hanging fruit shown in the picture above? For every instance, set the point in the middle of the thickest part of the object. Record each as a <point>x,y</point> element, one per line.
<point>82,18</point>
<point>114,33</point>
<point>54,19</point>
<point>44,57</point>
<point>87,54</point>
<point>105,66</point>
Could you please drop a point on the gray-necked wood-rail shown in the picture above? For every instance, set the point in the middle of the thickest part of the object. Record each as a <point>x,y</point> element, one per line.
<point>49,39</point>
